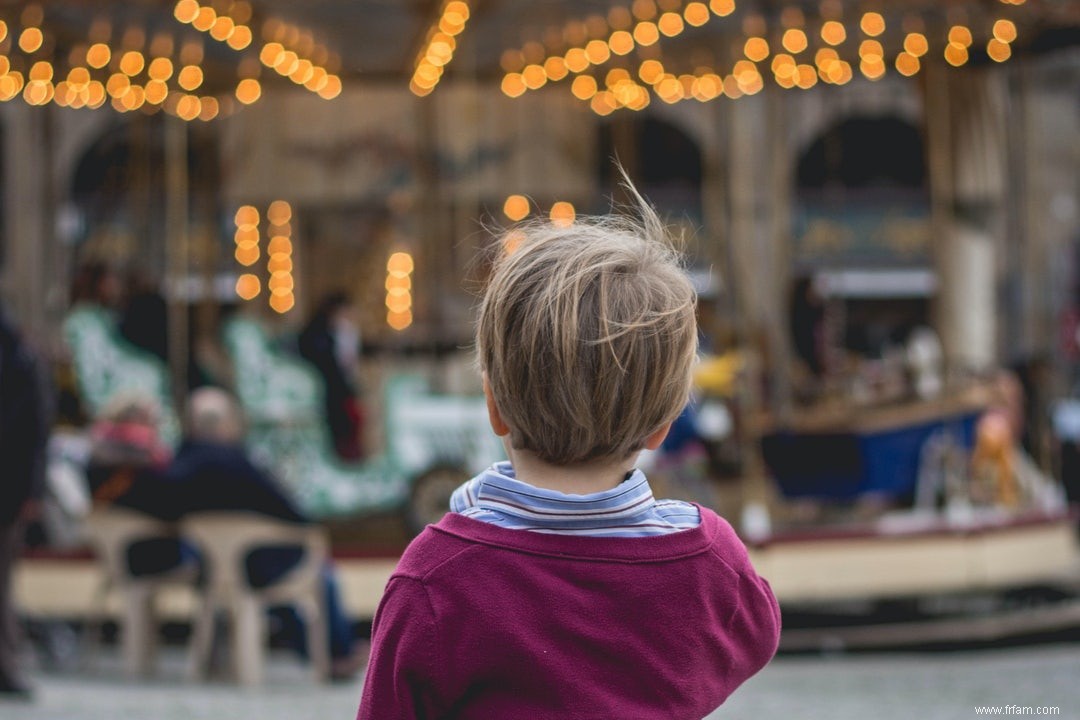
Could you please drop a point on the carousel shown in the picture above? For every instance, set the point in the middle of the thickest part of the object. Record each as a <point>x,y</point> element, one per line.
<point>861,190</point>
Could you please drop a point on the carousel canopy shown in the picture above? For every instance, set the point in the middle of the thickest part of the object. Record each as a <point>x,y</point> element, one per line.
<point>201,59</point>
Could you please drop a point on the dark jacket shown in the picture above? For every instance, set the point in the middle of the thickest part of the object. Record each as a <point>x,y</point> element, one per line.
<point>24,422</point>
<point>212,476</point>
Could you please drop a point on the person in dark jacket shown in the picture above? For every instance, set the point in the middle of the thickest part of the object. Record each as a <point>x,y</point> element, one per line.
<point>24,430</point>
<point>212,471</point>
<point>144,321</point>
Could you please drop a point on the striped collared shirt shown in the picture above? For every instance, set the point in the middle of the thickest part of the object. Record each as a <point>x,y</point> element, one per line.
<point>628,510</point>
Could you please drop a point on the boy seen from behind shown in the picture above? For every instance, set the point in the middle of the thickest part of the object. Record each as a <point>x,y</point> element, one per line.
<point>558,586</point>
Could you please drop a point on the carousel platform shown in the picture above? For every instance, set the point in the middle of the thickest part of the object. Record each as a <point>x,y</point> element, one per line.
<point>934,570</point>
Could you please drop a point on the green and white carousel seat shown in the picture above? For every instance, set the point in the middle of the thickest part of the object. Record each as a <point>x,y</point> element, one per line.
<point>107,366</point>
<point>282,399</point>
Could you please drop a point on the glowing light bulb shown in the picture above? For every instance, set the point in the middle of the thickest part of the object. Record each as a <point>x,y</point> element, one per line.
<point>696,13</point>
<point>247,216</point>
<point>915,44</point>
<point>186,11</point>
<point>98,56</point>
<point>513,85</point>
<point>670,24</point>
<point>247,255</point>
<point>907,64</point>
<point>998,50</point>
<point>516,207</point>
<point>205,18</point>
<point>279,263</point>
<point>190,77</point>
<point>400,264</point>
<point>399,320</point>
<point>132,63</point>
<point>1005,31</point>
<point>240,38</point>
<point>584,87</point>
<point>794,40</point>
<point>650,71</point>
<point>960,35</point>
<point>576,60</point>
<point>833,32</point>
<point>646,33</point>
<point>223,28</point>
<point>279,244</point>
<point>534,76</point>
<point>31,40</point>
<point>282,304</point>
<point>280,283</point>
<point>756,49</point>
<point>872,23</point>
<point>621,42</point>
<point>597,52</point>
<point>955,54</point>
<point>41,71</point>
<point>555,67</point>
<point>248,91</point>
<point>562,214</point>
<point>279,212</point>
<point>189,107</point>
<point>722,8</point>
<point>248,286</point>
<point>331,89</point>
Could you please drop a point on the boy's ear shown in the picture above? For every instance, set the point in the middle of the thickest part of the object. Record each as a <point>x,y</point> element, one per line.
<point>657,437</point>
<point>494,416</point>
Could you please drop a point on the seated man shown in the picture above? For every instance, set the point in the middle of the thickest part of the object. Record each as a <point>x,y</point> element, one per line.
<point>211,471</point>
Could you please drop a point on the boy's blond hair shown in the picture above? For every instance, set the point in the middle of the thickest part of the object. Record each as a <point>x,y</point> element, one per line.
<point>587,334</point>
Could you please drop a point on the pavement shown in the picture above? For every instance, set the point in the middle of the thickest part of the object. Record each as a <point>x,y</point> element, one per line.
<point>929,686</point>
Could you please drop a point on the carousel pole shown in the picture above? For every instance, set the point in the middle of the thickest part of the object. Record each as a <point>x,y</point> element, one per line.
<point>780,186</point>
<point>965,128</point>
<point>176,239</point>
<point>750,233</point>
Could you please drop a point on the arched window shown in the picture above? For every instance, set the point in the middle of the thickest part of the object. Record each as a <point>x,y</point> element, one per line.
<point>662,160</point>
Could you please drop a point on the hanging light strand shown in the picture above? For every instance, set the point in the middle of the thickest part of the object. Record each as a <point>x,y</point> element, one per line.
<point>439,46</point>
<point>640,25</point>
<point>293,52</point>
<point>872,44</point>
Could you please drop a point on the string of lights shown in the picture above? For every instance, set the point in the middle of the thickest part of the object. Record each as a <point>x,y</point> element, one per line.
<point>794,51</point>
<point>439,46</point>
<point>399,269</point>
<point>169,72</point>
<point>279,266</point>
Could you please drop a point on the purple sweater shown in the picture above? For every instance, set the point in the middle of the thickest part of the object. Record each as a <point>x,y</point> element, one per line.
<point>487,623</point>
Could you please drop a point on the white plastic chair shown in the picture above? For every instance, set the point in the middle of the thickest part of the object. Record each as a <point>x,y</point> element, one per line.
<point>225,539</point>
<point>110,531</point>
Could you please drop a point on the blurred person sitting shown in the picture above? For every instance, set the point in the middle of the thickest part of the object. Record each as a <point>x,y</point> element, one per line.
<point>331,342</point>
<point>212,471</point>
<point>126,468</point>
<point>24,430</point>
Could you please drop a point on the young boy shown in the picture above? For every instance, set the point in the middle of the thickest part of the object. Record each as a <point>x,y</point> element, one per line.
<point>559,587</point>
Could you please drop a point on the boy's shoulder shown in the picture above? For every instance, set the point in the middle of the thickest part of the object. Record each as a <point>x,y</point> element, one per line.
<point>430,551</point>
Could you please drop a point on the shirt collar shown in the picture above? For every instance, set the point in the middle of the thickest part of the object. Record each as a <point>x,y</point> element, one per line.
<point>500,491</point>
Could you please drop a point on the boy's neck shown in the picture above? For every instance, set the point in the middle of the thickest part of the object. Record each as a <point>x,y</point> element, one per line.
<point>583,479</point>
